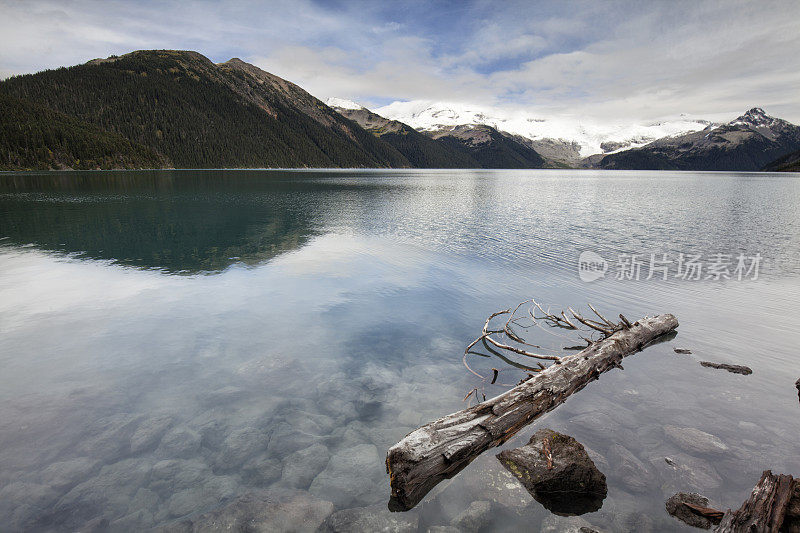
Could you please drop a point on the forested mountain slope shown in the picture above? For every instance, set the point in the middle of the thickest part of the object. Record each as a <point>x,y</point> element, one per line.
<point>197,114</point>
<point>33,137</point>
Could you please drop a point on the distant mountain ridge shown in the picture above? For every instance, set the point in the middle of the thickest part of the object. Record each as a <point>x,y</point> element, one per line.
<point>492,148</point>
<point>461,147</point>
<point>747,143</point>
<point>565,139</point>
<point>171,108</point>
<point>419,149</point>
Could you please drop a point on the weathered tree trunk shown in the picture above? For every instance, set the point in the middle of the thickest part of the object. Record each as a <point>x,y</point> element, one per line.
<point>442,448</point>
<point>767,509</point>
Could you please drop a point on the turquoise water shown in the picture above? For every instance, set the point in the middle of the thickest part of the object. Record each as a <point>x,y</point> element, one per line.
<point>172,340</point>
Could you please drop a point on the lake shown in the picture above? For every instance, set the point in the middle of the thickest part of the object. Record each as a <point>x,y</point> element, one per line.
<point>172,340</point>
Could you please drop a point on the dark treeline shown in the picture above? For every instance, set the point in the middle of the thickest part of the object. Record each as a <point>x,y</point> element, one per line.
<point>186,111</point>
<point>35,137</point>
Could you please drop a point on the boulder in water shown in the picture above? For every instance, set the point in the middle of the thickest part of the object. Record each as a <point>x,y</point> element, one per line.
<point>558,473</point>
<point>676,506</point>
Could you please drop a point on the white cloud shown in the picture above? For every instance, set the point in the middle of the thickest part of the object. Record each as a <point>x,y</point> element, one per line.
<point>643,60</point>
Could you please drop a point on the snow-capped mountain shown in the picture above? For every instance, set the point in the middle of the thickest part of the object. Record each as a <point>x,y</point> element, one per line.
<point>747,143</point>
<point>473,146</point>
<point>343,103</point>
<point>590,137</point>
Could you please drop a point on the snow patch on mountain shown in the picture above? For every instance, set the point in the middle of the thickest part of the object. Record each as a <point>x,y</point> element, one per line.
<point>592,137</point>
<point>342,103</point>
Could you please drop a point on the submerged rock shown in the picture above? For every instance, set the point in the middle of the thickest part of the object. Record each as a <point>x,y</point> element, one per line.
<point>21,503</point>
<point>632,472</point>
<point>570,524</point>
<point>173,475</point>
<point>108,438</point>
<point>369,519</point>
<point>635,522</point>
<point>149,433</point>
<point>688,472</point>
<point>675,507</point>
<point>485,479</point>
<point>214,491</point>
<point>474,518</point>
<point>240,446</point>
<point>179,442</point>
<point>222,396</point>
<point>260,512</point>
<point>107,495</point>
<point>135,521</point>
<point>557,472</point>
<point>64,475</point>
<point>736,369</point>
<point>262,470</point>
<point>695,441</point>
<point>287,438</point>
<point>301,467</point>
<point>143,500</point>
<point>352,477</point>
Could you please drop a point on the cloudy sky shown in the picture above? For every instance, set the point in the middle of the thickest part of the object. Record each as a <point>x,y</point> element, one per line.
<point>635,60</point>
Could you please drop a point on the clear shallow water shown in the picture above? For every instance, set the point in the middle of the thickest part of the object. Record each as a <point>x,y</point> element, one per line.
<point>170,340</point>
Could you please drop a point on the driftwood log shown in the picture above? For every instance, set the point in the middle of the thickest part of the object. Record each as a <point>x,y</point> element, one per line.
<point>442,448</point>
<point>773,506</point>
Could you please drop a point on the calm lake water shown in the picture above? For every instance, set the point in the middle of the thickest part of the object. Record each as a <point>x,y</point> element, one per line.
<point>172,340</point>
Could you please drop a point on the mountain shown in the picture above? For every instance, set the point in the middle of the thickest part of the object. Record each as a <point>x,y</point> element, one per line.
<point>191,113</point>
<point>490,147</point>
<point>747,143</point>
<point>168,108</point>
<point>34,137</point>
<point>420,150</point>
<point>465,146</point>
<point>788,163</point>
<point>565,139</point>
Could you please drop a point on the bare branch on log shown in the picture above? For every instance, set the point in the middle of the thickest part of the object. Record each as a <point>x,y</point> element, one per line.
<point>594,325</point>
<point>487,336</point>
<point>555,320</point>
<point>442,448</point>
<point>520,351</point>
<point>510,332</point>
<point>604,319</point>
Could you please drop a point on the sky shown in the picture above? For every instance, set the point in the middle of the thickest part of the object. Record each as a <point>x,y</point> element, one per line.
<point>615,59</point>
